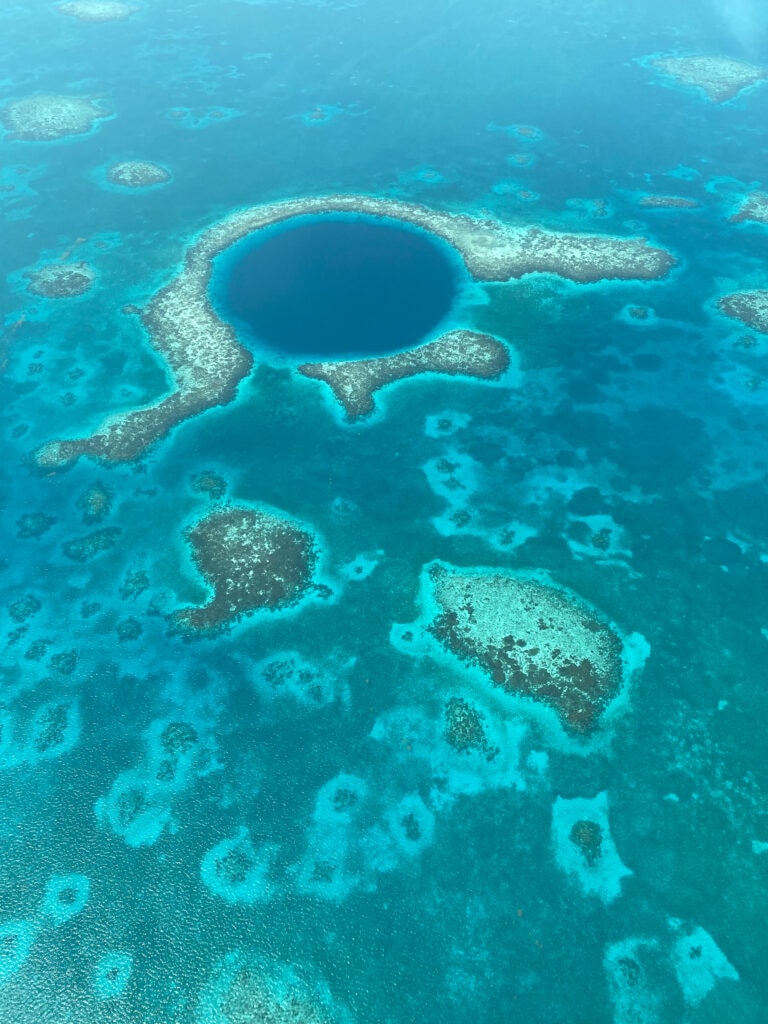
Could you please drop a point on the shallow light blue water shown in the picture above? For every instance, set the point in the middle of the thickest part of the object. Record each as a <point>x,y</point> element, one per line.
<point>270,823</point>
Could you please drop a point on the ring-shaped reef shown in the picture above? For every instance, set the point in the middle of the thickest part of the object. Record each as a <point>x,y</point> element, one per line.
<point>206,361</point>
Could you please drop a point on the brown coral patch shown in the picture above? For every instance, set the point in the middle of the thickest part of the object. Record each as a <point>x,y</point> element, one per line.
<point>457,353</point>
<point>532,640</point>
<point>252,560</point>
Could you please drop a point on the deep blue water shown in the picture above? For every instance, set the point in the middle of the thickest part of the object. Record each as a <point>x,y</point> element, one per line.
<point>652,430</point>
<point>336,287</point>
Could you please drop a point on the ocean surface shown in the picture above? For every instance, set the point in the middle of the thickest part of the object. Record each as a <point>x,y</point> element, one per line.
<point>291,817</point>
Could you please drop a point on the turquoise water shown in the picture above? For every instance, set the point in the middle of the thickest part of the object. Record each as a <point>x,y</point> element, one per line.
<point>270,823</point>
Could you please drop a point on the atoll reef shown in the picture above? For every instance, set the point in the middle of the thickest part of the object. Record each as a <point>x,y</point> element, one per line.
<point>457,353</point>
<point>45,118</point>
<point>207,362</point>
<point>530,638</point>
<point>96,10</point>
<point>720,78</point>
<point>749,307</point>
<point>61,280</point>
<point>253,560</point>
<point>754,208</point>
<point>137,174</point>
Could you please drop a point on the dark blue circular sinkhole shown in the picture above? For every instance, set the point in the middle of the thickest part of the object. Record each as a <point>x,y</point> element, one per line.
<point>329,287</point>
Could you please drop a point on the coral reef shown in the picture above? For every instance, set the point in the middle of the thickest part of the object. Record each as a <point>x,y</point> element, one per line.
<point>137,807</point>
<point>720,78</point>
<point>54,729</point>
<point>206,362</point>
<point>24,608</point>
<point>236,871</point>
<point>655,202</point>
<point>210,484</point>
<point>587,836</point>
<point>95,503</point>
<point>699,963</point>
<point>245,989</point>
<point>288,674</point>
<point>139,804</point>
<point>32,525</point>
<point>112,974</point>
<point>49,733</point>
<point>83,549</point>
<point>61,280</point>
<point>44,118</point>
<point>128,629</point>
<point>65,897</point>
<point>531,638</point>
<point>96,10</point>
<point>135,584</point>
<point>584,848</point>
<point>253,560</point>
<point>753,208</point>
<point>137,174</point>
<point>750,308</point>
<point>464,353</point>
<point>638,312</point>
<point>329,868</point>
<point>64,662</point>
<point>464,728</point>
<point>16,941</point>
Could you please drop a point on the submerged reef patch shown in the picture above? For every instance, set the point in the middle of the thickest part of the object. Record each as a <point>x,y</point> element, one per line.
<point>457,353</point>
<point>750,308</point>
<point>137,174</point>
<point>61,280</point>
<point>112,974</point>
<point>583,846</point>
<point>530,638</point>
<point>237,871</point>
<point>243,989</point>
<point>651,201</point>
<point>206,362</point>
<point>65,897</point>
<point>48,117</point>
<point>253,559</point>
<point>286,674</point>
<point>16,941</point>
<point>83,549</point>
<point>699,963</point>
<point>754,208</point>
<point>139,805</point>
<point>95,503</point>
<point>651,978</point>
<point>719,78</point>
<point>96,10</point>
